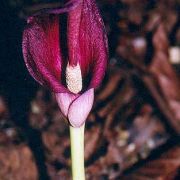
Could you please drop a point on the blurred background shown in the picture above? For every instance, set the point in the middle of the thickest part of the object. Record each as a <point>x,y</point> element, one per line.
<point>133,130</point>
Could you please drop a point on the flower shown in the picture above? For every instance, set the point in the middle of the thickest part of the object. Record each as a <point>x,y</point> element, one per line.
<point>73,77</point>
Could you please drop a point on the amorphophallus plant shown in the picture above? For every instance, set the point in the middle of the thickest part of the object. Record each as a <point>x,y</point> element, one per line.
<point>74,77</point>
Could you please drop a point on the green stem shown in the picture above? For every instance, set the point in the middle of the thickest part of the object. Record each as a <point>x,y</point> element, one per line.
<point>77,152</point>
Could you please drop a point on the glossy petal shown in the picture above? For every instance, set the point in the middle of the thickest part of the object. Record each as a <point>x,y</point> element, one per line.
<point>41,51</point>
<point>76,107</point>
<point>64,100</point>
<point>87,41</point>
<point>80,108</point>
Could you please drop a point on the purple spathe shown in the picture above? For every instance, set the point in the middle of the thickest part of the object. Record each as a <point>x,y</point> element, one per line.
<point>87,46</point>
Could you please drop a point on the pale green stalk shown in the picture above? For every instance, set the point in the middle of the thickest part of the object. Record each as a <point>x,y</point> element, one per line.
<point>77,152</point>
